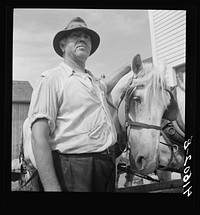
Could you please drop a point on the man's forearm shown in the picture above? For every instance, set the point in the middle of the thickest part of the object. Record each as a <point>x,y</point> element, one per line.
<point>43,158</point>
<point>45,167</point>
<point>112,80</point>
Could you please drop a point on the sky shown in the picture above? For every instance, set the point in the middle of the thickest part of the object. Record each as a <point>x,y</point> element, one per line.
<point>123,34</point>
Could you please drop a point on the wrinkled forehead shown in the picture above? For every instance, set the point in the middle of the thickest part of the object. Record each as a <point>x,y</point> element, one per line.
<point>79,32</point>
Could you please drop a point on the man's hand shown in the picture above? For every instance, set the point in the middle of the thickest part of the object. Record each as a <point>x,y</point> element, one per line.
<point>112,80</point>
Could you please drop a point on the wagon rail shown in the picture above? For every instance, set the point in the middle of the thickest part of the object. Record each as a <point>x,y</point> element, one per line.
<point>172,186</point>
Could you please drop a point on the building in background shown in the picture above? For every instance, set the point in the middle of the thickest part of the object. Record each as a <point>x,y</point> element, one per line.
<point>21,97</point>
<point>168,39</point>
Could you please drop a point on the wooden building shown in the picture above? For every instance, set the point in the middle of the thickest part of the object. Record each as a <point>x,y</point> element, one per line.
<point>21,96</point>
<point>168,39</point>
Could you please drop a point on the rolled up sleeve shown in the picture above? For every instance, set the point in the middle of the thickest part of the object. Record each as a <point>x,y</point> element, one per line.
<point>44,102</point>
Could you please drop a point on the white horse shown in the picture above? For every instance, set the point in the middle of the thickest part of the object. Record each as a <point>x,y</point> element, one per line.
<point>139,114</point>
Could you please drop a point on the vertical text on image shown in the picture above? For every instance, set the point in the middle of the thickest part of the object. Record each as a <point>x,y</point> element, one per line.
<point>187,171</point>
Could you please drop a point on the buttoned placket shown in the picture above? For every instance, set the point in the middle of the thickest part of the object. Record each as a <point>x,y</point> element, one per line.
<point>99,94</point>
<point>101,98</point>
<point>90,84</point>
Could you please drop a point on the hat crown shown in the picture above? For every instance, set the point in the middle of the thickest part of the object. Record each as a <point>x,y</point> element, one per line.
<point>77,22</point>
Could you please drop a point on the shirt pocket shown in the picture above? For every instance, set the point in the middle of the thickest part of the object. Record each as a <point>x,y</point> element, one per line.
<point>97,131</point>
<point>92,125</point>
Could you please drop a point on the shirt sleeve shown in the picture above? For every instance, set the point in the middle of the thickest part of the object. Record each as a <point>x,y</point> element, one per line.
<point>44,102</point>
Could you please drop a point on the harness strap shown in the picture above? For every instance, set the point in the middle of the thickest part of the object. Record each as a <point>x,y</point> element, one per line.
<point>179,131</point>
<point>174,137</point>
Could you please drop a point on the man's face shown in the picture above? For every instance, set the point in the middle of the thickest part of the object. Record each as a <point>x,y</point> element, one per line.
<point>78,45</point>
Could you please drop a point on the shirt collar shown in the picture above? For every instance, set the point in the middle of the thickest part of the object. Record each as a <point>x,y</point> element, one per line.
<point>69,71</point>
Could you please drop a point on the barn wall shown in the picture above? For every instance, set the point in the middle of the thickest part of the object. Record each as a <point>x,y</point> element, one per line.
<point>19,114</point>
<point>168,34</point>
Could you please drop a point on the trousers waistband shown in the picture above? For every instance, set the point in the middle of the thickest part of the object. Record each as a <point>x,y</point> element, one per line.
<point>105,152</point>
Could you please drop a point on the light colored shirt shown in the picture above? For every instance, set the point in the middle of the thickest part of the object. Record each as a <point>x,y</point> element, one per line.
<point>76,109</point>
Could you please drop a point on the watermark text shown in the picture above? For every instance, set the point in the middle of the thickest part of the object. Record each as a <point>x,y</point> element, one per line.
<point>187,170</point>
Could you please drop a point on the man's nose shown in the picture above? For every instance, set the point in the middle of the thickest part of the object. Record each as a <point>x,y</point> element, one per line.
<point>83,40</point>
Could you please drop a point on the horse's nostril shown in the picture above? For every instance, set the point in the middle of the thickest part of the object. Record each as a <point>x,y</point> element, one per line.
<point>140,162</point>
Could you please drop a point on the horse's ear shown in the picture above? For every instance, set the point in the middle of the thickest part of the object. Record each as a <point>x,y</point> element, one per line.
<point>137,64</point>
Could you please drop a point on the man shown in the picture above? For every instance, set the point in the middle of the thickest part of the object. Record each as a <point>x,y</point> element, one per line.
<point>71,126</point>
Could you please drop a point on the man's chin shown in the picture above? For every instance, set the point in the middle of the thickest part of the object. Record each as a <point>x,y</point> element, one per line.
<point>82,52</point>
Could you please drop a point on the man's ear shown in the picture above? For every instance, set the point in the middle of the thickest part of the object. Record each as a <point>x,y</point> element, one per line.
<point>62,45</point>
<point>137,64</point>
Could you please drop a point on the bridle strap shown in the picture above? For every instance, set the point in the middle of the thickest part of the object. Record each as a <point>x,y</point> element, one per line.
<point>130,122</point>
<point>168,143</point>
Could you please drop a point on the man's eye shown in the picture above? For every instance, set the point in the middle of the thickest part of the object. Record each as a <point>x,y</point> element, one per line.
<point>86,36</point>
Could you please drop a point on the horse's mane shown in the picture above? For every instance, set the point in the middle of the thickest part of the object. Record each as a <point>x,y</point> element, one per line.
<point>154,78</point>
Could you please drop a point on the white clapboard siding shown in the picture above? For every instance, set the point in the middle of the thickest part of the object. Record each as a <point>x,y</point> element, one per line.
<point>170,35</point>
<point>168,30</point>
<point>167,17</point>
<point>167,45</point>
<point>170,24</point>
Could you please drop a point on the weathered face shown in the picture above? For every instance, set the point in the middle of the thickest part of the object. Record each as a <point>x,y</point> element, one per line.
<point>77,45</point>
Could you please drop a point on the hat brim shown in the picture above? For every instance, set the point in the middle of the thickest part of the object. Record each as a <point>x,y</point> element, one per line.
<point>95,39</point>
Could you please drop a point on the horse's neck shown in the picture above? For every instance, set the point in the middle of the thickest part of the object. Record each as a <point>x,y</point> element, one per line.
<point>119,88</point>
<point>115,98</point>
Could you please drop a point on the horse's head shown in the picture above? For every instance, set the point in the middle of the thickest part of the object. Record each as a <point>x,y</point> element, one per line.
<point>146,101</point>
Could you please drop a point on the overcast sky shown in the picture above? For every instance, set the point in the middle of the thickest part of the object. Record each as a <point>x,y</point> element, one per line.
<point>123,34</point>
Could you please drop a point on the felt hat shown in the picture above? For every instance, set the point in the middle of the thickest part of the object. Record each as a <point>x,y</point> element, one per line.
<point>76,24</point>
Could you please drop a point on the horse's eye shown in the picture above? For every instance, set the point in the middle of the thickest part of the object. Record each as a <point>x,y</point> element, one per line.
<point>140,86</point>
<point>136,98</point>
